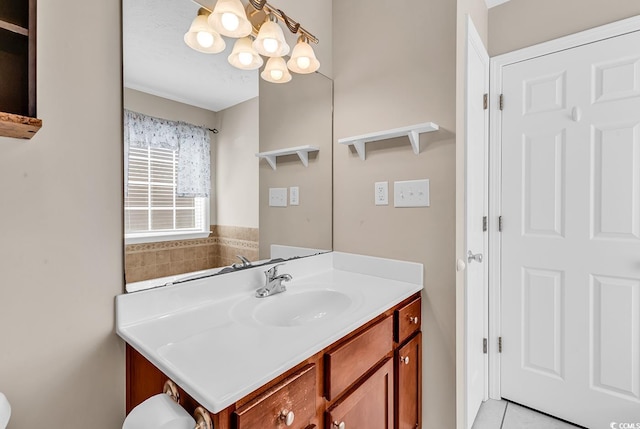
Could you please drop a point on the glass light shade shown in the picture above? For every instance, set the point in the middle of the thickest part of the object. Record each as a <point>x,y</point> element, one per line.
<point>276,71</point>
<point>229,19</point>
<point>270,41</point>
<point>303,59</point>
<point>244,56</point>
<point>203,38</point>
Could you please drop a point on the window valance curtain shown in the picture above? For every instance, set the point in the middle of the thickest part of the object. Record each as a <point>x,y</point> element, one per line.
<point>192,144</point>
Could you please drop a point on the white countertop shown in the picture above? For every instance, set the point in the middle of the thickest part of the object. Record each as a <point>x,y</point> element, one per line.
<point>210,335</point>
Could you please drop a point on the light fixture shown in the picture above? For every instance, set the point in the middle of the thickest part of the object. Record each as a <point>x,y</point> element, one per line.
<point>258,32</point>
<point>202,37</point>
<point>244,56</point>
<point>303,59</point>
<point>229,19</point>
<point>276,71</point>
<point>270,41</point>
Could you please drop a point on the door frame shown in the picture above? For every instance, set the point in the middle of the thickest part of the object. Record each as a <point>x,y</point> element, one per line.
<point>497,63</point>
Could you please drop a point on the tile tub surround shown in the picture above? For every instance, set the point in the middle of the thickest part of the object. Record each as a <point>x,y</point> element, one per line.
<point>214,316</point>
<point>168,258</point>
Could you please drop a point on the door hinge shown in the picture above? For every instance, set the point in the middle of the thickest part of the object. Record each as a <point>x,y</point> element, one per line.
<point>484,346</point>
<point>485,99</point>
<point>501,102</point>
<point>484,224</point>
<point>500,223</point>
<point>499,344</point>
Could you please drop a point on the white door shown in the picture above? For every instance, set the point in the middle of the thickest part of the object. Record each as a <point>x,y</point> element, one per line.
<point>571,233</point>
<point>476,279</point>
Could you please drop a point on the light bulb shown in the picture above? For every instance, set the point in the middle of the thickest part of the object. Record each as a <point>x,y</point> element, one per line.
<point>277,74</point>
<point>245,58</point>
<point>270,45</point>
<point>230,21</point>
<point>303,62</point>
<point>205,39</point>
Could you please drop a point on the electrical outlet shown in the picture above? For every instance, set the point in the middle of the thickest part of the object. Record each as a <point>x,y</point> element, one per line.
<point>381,193</point>
<point>411,193</point>
<point>294,196</point>
<point>277,197</point>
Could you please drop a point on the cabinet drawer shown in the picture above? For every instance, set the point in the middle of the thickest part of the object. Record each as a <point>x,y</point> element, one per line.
<point>295,394</point>
<point>351,360</point>
<point>408,320</point>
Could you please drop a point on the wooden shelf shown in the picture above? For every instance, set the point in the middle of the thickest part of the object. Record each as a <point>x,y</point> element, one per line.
<point>18,126</point>
<point>412,131</point>
<point>301,151</point>
<point>14,28</point>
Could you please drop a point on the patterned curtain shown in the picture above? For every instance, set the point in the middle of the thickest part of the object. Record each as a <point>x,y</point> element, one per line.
<point>191,142</point>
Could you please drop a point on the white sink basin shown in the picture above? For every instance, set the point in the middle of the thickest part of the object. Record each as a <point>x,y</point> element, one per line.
<point>301,308</point>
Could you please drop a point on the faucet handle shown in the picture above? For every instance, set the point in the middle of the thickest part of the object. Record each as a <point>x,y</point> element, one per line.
<point>273,271</point>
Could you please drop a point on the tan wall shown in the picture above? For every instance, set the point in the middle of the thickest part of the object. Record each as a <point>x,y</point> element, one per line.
<point>520,23</point>
<point>61,363</point>
<point>296,114</point>
<point>236,168</point>
<point>405,75</point>
<point>159,107</point>
<point>477,11</point>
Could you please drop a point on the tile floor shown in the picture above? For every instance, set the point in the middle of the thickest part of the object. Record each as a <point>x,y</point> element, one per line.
<point>507,415</point>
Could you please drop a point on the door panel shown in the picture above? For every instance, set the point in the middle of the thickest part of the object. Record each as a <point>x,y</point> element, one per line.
<point>570,268</point>
<point>476,281</point>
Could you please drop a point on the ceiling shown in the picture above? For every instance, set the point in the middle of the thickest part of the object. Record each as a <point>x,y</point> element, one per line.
<point>158,62</point>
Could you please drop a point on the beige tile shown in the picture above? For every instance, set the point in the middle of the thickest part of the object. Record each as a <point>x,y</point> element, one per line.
<point>176,255</point>
<point>133,274</point>
<point>132,260</point>
<point>178,267</point>
<point>164,270</point>
<point>201,252</point>
<point>163,257</point>
<point>189,253</point>
<point>190,265</point>
<point>148,258</point>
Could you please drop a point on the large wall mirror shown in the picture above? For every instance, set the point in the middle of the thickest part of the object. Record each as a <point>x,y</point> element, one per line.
<point>167,86</point>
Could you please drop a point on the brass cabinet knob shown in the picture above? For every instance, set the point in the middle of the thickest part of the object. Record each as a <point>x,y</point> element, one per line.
<point>404,360</point>
<point>414,320</point>
<point>340,425</point>
<point>287,417</point>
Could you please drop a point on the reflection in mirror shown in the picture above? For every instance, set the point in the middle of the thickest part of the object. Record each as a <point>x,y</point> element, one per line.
<point>169,82</point>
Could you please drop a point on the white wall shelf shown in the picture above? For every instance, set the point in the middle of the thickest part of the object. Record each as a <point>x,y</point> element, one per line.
<point>301,151</point>
<point>412,131</point>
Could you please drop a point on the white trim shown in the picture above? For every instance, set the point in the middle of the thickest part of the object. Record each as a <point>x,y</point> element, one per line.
<point>165,236</point>
<point>596,34</point>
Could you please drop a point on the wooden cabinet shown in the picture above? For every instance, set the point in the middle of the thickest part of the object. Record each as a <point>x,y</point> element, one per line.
<point>289,404</point>
<point>369,405</point>
<point>18,69</point>
<point>408,384</point>
<point>366,380</point>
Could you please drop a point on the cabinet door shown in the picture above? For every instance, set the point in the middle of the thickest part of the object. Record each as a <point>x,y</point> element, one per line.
<point>368,406</point>
<point>408,389</point>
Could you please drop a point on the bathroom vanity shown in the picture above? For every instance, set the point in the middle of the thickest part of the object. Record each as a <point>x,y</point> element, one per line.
<point>341,348</point>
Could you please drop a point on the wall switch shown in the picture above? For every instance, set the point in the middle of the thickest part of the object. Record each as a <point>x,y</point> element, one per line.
<point>381,193</point>
<point>277,197</point>
<point>411,193</point>
<point>294,196</point>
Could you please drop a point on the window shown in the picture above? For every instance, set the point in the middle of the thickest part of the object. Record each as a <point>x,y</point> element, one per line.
<point>155,206</point>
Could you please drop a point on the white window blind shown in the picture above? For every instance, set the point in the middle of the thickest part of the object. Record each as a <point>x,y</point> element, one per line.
<point>151,204</point>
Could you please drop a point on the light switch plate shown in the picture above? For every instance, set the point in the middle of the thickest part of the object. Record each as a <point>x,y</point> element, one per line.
<point>294,196</point>
<point>411,193</point>
<point>277,197</point>
<point>381,193</point>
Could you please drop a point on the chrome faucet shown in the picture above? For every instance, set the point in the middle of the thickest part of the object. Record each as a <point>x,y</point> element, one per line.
<point>273,282</point>
<point>244,264</point>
